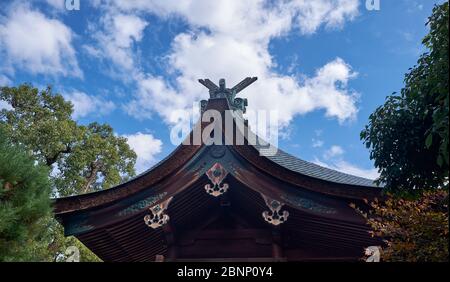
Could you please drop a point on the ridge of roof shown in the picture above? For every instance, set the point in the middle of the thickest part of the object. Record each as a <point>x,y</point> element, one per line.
<point>294,164</point>
<point>310,169</point>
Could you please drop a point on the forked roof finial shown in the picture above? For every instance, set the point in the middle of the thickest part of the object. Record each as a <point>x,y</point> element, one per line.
<point>222,91</point>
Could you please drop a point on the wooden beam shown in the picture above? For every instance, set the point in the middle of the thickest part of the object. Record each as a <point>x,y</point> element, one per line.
<point>277,249</point>
<point>170,236</point>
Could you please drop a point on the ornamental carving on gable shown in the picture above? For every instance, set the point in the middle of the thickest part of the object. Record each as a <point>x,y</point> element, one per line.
<point>157,216</point>
<point>216,175</point>
<point>307,204</point>
<point>274,215</point>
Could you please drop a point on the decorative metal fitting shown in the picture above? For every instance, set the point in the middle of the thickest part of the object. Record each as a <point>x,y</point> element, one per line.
<point>274,216</point>
<point>216,174</point>
<point>157,217</point>
<point>222,91</point>
<point>203,105</point>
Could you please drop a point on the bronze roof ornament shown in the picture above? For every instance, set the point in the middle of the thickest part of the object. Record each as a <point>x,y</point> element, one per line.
<point>221,91</point>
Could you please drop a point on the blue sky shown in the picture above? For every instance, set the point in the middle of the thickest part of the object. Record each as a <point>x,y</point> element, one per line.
<point>325,65</point>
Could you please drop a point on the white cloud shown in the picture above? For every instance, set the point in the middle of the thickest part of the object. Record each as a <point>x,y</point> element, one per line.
<point>5,105</point>
<point>115,39</point>
<point>332,13</point>
<point>252,19</point>
<point>236,45</point>
<point>58,4</point>
<point>346,167</point>
<point>4,80</point>
<point>37,44</point>
<point>146,147</point>
<point>236,60</point>
<point>407,35</point>
<point>316,143</point>
<point>334,159</point>
<point>333,152</point>
<point>84,104</point>
<point>155,96</point>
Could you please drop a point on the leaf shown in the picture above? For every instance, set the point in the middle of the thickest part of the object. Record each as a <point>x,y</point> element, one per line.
<point>440,161</point>
<point>429,140</point>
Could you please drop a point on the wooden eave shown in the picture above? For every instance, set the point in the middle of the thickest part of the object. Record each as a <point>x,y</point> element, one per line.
<point>183,169</point>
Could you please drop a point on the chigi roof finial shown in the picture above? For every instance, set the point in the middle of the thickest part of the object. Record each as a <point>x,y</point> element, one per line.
<point>230,93</point>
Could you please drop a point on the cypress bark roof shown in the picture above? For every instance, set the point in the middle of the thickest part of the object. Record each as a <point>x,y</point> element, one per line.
<point>313,170</point>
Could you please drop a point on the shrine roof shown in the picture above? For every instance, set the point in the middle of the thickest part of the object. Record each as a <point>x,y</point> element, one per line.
<point>298,165</point>
<point>280,166</point>
<point>301,166</point>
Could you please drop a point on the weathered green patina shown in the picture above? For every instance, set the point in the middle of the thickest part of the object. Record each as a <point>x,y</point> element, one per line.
<point>221,91</point>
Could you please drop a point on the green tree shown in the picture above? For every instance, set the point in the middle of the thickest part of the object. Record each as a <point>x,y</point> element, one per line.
<point>39,120</point>
<point>98,161</point>
<point>60,244</point>
<point>408,135</point>
<point>25,207</point>
<point>82,158</point>
<point>86,158</point>
<point>414,230</point>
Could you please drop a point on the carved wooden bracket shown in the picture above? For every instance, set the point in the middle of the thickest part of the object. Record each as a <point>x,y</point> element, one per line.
<point>274,216</point>
<point>157,217</point>
<point>216,174</point>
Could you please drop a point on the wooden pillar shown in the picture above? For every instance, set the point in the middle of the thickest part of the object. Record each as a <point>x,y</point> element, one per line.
<point>172,249</point>
<point>277,249</point>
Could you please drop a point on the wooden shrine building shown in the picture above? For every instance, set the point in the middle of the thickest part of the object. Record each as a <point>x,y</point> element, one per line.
<point>225,203</point>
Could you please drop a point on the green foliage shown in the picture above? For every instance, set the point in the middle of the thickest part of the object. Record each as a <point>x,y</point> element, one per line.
<point>415,230</point>
<point>25,205</point>
<point>438,79</point>
<point>98,161</point>
<point>88,158</point>
<point>39,120</point>
<point>84,158</point>
<point>408,135</point>
<point>60,244</point>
